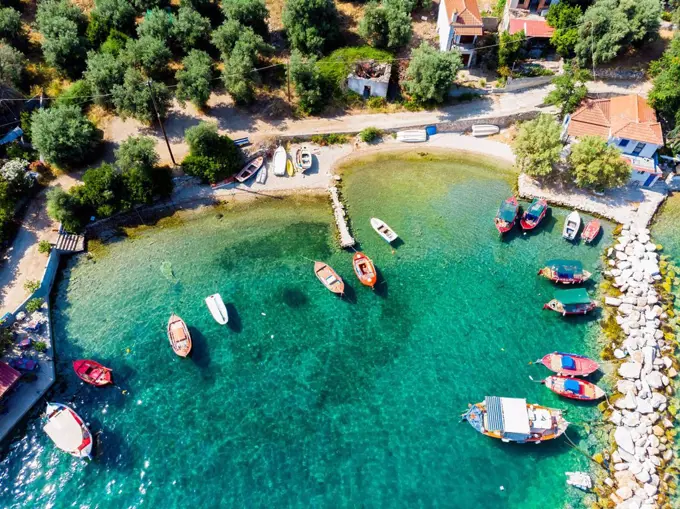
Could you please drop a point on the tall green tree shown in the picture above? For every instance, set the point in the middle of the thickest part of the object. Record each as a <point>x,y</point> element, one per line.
<point>510,48</point>
<point>570,89</point>
<point>62,26</point>
<point>386,25</point>
<point>225,36</point>
<point>239,76</point>
<point>309,86</point>
<point>118,14</point>
<point>565,19</point>
<point>136,152</point>
<point>102,73</point>
<point>149,54</point>
<point>538,146</point>
<point>431,73</point>
<point>12,63</point>
<point>665,94</point>
<point>212,157</point>
<point>597,165</point>
<point>64,136</point>
<point>250,13</point>
<point>64,208</point>
<point>157,23</point>
<point>11,29</point>
<point>311,25</point>
<point>194,80</point>
<point>191,29</point>
<point>133,98</point>
<point>609,27</point>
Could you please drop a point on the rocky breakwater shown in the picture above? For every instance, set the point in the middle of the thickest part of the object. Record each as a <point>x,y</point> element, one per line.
<point>640,407</point>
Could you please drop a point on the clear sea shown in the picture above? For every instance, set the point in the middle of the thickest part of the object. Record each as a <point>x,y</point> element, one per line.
<point>306,399</point>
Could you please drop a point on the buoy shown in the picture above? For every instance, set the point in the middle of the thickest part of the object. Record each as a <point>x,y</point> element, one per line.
<point>502,488</point>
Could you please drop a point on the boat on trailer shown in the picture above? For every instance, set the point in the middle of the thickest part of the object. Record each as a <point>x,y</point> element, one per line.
<point>569,364</point>
<point>534,214</point>
<point>507,215</point>
<point>67,430</point>
<point>383,230</point>
<point>364,269</point>
<point>591,231</point>
<point>567,272</point>
<point>571,226</point>
<point>178,335</point>
<point>515,420</point>
<point>574,388</point>
<point>329,278</point>
<point>92,372</point>
<point>571,302</point>
<point>250,169</point>
<point>217,308</point>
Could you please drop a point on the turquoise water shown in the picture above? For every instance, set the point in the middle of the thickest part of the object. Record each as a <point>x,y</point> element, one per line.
<point>305,399</point>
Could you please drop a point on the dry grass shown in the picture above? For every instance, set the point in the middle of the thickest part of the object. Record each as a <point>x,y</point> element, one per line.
<point>99,115</point>
<point>85,5</point>
<point>275,8</point>
<point>640,58</point>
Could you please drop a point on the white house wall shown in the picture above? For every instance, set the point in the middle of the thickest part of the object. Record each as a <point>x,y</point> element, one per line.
<point>378,89</point>
<point>444,28</point>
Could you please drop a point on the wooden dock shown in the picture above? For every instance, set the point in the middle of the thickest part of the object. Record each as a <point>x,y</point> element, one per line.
<point>346,239</point>
<point>70,242</point>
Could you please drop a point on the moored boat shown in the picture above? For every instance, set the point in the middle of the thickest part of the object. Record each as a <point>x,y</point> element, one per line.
<point>67,430</point>
<point>92,372</point>
<point>569,364</point>
<point>280,159</point>
<point>364,269</point>
<point>571,226</point>
<point>178,335</point>
<point>574,388</point>
<point>507,215</point>
<point>534,214</point>
<point>217,308</point>
<point>383,230</point>
<point>591,231</point>
<point>329,278</point>
<point>485,130</point>
<point>250,169</point>
<point>515,420</point>
<point>262,175</point>
<point>565,272</point>
<point>571,302</point>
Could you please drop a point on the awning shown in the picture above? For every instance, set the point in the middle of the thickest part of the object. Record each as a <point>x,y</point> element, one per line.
<point>8,377</point>
<point>571,297</point>
<point>11,136</point>
<point>64,431</point>
<point>515,416</point>
<point>566,267</point>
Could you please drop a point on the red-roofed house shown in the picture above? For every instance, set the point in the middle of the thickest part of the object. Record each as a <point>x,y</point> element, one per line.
<point>628,123</point>
<point>459,24</point>
<point>8,377</point>
<point>528,16</point>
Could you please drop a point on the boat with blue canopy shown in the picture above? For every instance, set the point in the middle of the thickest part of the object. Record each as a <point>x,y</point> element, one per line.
<point>507,215</point>
<point>534,214</point>
<point>573,388</point>
<point>571,302</point>
<point>566,272</point>
<point>515,420</point>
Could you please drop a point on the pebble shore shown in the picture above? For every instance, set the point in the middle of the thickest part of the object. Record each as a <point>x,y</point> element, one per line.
<point>643,425</point>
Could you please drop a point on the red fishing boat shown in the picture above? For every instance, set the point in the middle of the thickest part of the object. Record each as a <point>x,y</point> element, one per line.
<point>507,215</point>
<point>571,302</point>
<point>574,388</point>
<point>591,231</point>
<point>569,364</point>
<point>364,269</point>
<point>566,272</point>
<point>92,372</point>
<point>534,214</point>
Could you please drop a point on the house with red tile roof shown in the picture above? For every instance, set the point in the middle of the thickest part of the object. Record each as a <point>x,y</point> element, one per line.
<point>8,378</point>
<point>628,123</point>
<point>459,24</point>
<point>528,16</point>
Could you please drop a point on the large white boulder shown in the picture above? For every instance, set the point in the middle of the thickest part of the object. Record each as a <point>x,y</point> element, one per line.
<point>630,370</point>
<point>624,440</point>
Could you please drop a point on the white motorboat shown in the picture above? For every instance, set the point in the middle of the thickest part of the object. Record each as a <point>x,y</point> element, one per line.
<point>485,130</point>
<point>280,159</point>
<point>305,159</point>
<point>571,226</point>
<point>412,136</point>
<point>383,230</point>
<point>217,308</point>
<point>262,175</point>
<point>67,430</point>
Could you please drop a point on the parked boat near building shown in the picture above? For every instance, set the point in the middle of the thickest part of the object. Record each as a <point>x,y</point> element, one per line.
<point>507,215</point>
<point>571,226</point>
<point>534,214</point>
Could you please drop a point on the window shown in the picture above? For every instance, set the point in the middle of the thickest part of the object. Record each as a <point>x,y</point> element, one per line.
<point>638,148</point>
<point>623,142</point>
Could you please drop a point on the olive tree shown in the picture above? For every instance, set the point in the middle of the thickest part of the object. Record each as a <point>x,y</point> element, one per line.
<point>64,136</point>
<point>431,73</point>
<point>118,14</point>
<point>597,165</point>
<point>11,29</point>
<point>308,82</point>
<point>538,146</point>
<point>148,53</point>
<point>311,25</point>
<point>12,63</point>
<point>136,151</point>
<point>133,97</point>
<point>386,26</point>
<point>102,73</point>
<point>190,29</point>
<point>251,13</point>
<point>62,25</point>
<point>194,80</point>
<point>157,23</point>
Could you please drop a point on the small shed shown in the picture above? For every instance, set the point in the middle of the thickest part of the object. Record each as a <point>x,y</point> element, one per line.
<point>370,79</point>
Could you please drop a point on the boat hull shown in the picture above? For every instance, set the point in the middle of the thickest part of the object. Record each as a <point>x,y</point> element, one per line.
<point>587,391</point>
<point>552,275</point>
<point>280,159</point>
<point>217,308</point>
<point>581,309</point>
<point>571,226</point>
<point>583,366</point>
<point>92,372</point>
<point>591,231</point>
<point>179,337</point>
<point>529,223</point>
<point>329,278</point>
<point>382,229</point>
<point>504,225</point>
<point>66,415</point>
<point>249,169</point>
<point>364,269</point>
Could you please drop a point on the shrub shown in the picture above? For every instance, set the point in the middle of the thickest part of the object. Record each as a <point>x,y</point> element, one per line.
<point>570,89</point>
<point>212,157</point>
<point>370,134</point>
<point>78,94</point>
<point>64,136</point>
<point>65,208</point>
<point>136,152</point>
<point>510,48</point>
<point>336,66</point>
<point>308,83</point>
<point>12,63</point>
<point>376,103</point>
<point>115,43</point>
<point>431,73</point>
<point>202,138</point>
<point>330,139</point>
<point>98,30</point>
<point>538,146</point>
<point>250,13</point>
<point>31,285</point>
<point>133,97</point>
<point>666,16</point>
<point>206,168</point>
<point>598,165</point>
<point>44,247</point>
<point>40,346</point>
<point>311,25</point>
<point>102,74</point>
<point>62,26</point>
<point>194,81</point>
<point>34,305</point>
<point>6,339</point>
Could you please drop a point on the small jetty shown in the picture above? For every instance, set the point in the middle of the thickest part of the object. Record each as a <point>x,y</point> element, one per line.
<point>69,242</point>
<point>346,239</point>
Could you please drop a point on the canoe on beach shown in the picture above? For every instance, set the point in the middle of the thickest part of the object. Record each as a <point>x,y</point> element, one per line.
<point>364,269</point>
<point>574,388</point>
<point>250,169</point>
<point>329,278</point>
<point>178,335</point>
<point>569,364</point>
<point>92,372</point>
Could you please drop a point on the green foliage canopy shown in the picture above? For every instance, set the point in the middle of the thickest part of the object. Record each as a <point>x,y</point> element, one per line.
<point>565,19</point>
<point>11,29</point>
<point>598,165</point>
<point>311,25</point>
<point>570,89</point>
<point>250,13</point>
<point>431,73</point>
<point>62,26</point>
<point>212,157</point>
<point>190,29</point>
<point>102,74</point>
<point>309,85</point>
<point>386,26</point>
<point>133,97</point>
<point>537,146</point>
<point>12,63</point>
<point>194,80</point>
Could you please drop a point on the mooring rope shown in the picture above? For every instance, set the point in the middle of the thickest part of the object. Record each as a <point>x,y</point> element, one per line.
<point>582,451</point>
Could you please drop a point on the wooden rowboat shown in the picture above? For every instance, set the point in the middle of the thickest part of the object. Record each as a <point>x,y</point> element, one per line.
<point>574,388</point>
<point>250,169</point>
<point>178,335</point>
<point>329,278</point>
<point>383,230</point>
<point>534,214</point>
<point>507,215</point>
<point>92,372</point>
<point>591,231</point>
<point>569,364</point>
<point>364,269</point>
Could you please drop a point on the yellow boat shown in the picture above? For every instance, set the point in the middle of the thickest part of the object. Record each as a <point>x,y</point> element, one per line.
<point>289,168</point>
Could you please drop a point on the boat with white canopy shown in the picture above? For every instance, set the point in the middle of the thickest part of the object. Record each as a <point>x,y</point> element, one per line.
<point>67,430</point>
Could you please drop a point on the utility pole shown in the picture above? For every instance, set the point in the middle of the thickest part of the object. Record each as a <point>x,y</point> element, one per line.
<point>288,67</point>
<point>158,115</point>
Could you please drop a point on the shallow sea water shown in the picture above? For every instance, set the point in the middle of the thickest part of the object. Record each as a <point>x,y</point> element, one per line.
<point>306,399</point>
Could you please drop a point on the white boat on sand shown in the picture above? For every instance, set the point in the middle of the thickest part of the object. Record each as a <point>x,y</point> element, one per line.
<point>412,136</point>
<point>67,430</point>
<point>280,159</point>
<point>383,230</point>
<point>571,226</point>
<point>262,175</point>
<point>217,308</point>
<point>485,130</point>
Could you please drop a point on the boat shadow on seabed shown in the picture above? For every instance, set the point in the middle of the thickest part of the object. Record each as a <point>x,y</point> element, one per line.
<point>200,353</point>
<point>234,322</point>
